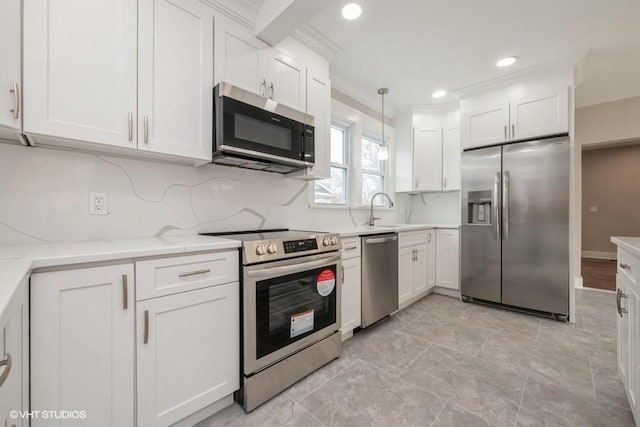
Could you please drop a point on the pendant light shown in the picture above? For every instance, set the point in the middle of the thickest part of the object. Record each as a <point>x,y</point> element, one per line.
<point>383,154</point>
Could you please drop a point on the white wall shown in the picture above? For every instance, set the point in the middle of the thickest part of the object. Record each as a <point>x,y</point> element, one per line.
<point>607,123</point>
<point>435,208</point>
<point>44,196</point>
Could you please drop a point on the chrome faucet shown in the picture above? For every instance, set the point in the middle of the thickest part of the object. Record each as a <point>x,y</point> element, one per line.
<point>372,219</point>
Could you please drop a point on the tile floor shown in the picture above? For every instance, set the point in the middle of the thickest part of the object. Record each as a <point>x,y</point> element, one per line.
<point>442,362</point>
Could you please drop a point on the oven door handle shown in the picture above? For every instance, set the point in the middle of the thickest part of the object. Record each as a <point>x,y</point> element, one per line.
<point>294,268</point>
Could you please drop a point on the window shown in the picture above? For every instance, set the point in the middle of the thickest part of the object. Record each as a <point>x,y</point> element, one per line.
<point>373,170</point>
<point>334,190</point>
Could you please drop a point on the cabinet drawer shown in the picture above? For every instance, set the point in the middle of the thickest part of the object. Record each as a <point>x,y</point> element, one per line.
<point>412,238</point>
<point>628,265</point>
<point>351,247</point>
<point>158,277</point>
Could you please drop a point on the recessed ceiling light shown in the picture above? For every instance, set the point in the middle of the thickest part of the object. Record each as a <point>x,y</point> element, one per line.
<point>505,62</point>
<point>439,93</point>
<point>351,11</point>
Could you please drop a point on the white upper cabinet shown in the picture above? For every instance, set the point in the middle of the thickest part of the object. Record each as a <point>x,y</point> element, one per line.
<point>451,152</point>
<point>319,106</point>
<point>239,57</point>
<point>80,70</point>
<point>286,79</point>
<point>175,77</point>
<point>486,125</point>
<point>524,111</point>
<point>427,159</point>
<point>540,112</point>
<point>10,80</point>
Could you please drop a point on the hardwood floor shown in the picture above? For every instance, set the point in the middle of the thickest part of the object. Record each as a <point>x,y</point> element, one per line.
<point>599,273</point>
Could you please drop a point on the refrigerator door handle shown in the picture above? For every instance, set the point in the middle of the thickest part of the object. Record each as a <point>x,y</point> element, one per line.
<point>496,206</point>
<point>505,205</point>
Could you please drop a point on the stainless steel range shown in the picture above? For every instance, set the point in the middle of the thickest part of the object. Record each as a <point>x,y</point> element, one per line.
<point>290,308</point>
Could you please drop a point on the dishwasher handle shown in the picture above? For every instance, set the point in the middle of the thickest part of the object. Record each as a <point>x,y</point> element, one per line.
<point>381,240</point>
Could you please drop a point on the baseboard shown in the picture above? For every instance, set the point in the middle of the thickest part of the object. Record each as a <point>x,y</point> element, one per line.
<point>599,255</point>
<point>205,412</point>
<point>447,292</point>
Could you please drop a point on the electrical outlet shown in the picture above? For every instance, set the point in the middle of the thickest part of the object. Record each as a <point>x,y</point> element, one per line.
<point>98,204</point>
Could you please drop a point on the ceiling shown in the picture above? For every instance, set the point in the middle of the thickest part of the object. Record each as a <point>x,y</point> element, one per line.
<point>415,47</point>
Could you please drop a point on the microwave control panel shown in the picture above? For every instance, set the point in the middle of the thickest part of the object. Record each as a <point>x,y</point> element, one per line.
<point>292,246</point>
<point>309,143</point>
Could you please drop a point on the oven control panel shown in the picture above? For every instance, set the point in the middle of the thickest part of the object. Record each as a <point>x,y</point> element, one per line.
<point>292,246</point>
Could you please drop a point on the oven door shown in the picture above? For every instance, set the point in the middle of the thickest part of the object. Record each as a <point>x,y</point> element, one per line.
<point>288,305</point>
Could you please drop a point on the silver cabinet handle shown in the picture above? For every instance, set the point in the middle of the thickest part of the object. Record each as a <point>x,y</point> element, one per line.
<point>505,205</point>
<point>130,126</point>
<point>505,131</point>
<point>195,273</point>
<point>351,248</point>
<point>513,130</point>
<point>6,362</point>
<point>618,302</point>
<point>625,266</point>
<point>445,182</point>
<point>264,85</point>
<point>417,183</point>
<point>145,338</point>
<point>125,291</point>
<point>16,100</point>
<point>622,309</point>
<point>342,267</point>
<point>496,207</point>
<point>429,237</point>
<point>146,130</point>
<point>416,255</point>
<point>273,92</point>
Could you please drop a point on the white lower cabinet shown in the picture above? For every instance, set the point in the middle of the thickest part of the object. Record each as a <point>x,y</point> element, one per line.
<point>416,270</point>
<point>14,359</point>
<point>448,258</point>
<point>82,344</point>
<point>351,296</point>
<point>187,352</point>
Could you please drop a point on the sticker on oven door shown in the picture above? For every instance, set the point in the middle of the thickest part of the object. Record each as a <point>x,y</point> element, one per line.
<point>301,323</point>
<point>326,282</point>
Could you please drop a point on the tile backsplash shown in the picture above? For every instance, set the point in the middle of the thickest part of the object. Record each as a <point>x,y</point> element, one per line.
<point>44,196</point>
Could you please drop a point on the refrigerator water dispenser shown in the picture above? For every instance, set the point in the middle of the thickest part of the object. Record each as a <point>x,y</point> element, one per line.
<point>479,207</point>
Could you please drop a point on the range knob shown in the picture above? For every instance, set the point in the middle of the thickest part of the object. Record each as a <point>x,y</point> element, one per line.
<point>334,241</point>
<point>272,249</point>
<point>261,250</point>
<point>326,241</point>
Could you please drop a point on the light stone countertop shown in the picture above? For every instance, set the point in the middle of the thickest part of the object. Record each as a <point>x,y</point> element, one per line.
<point>630,243</point>
<point>17,262</point>
<point>364,230</point>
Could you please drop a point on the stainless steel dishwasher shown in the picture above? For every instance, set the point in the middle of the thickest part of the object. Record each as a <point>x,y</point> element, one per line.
<point>379,277</point>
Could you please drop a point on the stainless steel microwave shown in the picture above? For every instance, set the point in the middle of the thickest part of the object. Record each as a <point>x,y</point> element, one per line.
<point>254,132</point>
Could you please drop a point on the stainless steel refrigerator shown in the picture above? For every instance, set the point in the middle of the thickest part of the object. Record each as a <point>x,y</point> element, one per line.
<point>515,225</point>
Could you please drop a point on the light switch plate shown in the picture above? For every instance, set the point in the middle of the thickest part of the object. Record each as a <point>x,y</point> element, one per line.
<point>98,203</point>
<point>593,209</point>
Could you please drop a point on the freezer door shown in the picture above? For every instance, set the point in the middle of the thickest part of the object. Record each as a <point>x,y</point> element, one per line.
<point>535,249</point>
<point>480,233</point>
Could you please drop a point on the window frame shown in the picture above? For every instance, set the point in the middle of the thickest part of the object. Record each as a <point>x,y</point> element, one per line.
<point>346,166</point>
<point>382,172</point>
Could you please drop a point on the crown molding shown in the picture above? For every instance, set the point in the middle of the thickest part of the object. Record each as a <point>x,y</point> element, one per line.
<point>243,12</point>
<point>312,38</point>
<point>370,100</point>
<point>561,64</point>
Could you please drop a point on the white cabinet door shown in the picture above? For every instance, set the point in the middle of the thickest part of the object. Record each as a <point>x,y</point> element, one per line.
<point>451,154</point>
<point>82,344</point>
<point>447,259</point>
<point>420,269</point>
<point>286,79</point>
<point>427,159</point>
<point>188,352</point>
<point>238,57</point>
<point>351,294</point>
<point>405,274</point>
<point>14,350</point>
<point>175,77</point>
<point>623,341</point>
<point>80,70</point>
<point>10,52</point>
<point>485,126</point>
<point>539,113</point>
<point>431,258</point>
<point>319,106</point>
